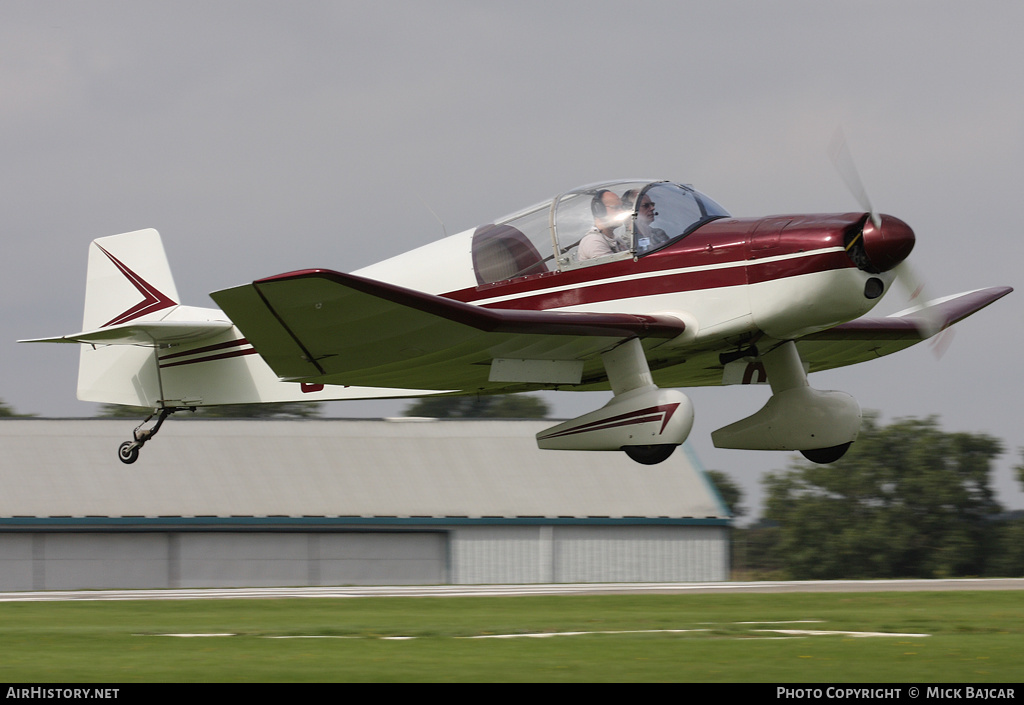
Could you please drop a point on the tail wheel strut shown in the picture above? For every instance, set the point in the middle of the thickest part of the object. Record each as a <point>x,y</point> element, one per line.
<point>128,452</point>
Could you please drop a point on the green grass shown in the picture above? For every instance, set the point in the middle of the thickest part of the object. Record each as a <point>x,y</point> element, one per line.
<point>975,637</point>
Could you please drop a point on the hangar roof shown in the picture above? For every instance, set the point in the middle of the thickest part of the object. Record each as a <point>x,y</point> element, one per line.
<point>334,468</point>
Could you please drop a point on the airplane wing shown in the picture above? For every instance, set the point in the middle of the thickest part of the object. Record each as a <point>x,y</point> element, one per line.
<point>327,327</point>
<point>869,338</point>
<point>859,340</point>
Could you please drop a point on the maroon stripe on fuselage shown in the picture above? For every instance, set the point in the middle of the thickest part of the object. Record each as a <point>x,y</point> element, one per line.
<point>210,358</point>
<point>628,288</point>
<point>208,348</point>
<point>583,277</point>
<point>591,290</point>
<point>758,272</point>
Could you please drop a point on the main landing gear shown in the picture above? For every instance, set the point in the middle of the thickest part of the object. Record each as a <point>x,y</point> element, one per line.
<point>642,420</point>
<point>819,424</point>
<point>128,452</point>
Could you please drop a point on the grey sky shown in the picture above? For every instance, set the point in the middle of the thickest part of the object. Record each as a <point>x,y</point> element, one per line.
<point>260,137</point>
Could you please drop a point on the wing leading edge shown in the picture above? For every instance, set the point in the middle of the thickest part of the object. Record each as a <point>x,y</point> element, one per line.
<point>334,328</point>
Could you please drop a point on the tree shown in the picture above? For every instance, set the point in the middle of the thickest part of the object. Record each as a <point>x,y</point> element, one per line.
<point>907,501</point>
<point>510,406</point>
<point>8,412</point>
<point>728,490</point>
<point>753,552</point>
<point>274,410</point>
<point>740,540</point>
<point>1019,470</point>
<point>1007,553</point>
<point>121,411</point>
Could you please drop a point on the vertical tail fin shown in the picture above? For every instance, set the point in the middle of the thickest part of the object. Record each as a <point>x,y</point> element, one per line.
<point>128,279</point>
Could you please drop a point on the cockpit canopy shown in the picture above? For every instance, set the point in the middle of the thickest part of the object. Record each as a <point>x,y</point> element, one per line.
<point>590,225</point>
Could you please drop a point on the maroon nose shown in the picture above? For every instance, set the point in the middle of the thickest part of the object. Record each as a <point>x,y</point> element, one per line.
<point>887,244</point>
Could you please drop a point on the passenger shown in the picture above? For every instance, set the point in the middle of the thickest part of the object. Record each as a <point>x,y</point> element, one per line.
<point>600,241</point>
<point>647,236</point>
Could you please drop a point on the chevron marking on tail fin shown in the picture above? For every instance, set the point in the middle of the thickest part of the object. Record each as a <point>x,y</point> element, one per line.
<point>153,299</point>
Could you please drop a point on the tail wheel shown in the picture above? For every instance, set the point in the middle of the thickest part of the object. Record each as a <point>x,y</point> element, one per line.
<point>128,452</point>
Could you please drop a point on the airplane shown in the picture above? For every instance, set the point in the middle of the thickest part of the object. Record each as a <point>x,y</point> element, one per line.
<point>636,286</point>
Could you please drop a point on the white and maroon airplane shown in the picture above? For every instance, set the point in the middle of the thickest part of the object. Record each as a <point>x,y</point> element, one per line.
<point>635,286</point>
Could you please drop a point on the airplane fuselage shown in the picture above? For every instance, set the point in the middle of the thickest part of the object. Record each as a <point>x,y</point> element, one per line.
<point>783,276</point>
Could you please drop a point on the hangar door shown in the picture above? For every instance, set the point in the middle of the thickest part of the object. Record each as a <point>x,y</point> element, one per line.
<point>253,560</point>
<point>96,560</point>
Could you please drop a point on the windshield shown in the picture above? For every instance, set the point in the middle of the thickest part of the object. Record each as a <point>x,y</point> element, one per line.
<point>666,212</point>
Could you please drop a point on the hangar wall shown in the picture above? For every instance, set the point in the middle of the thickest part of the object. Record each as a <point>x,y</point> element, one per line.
<point>84,558</point>
<point>335,502</point>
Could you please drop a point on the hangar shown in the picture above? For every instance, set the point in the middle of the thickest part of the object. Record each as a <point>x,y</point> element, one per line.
<point>247,503</point>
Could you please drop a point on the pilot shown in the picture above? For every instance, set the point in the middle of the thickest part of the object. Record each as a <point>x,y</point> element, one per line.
<point>608,214</point>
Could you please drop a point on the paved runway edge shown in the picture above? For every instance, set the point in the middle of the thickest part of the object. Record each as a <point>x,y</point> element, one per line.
<point>961,584</point>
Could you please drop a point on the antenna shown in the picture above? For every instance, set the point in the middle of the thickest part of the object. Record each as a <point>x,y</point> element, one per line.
<point>436,216</point>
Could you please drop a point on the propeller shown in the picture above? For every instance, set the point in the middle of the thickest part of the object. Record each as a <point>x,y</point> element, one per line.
<point>931,325</point>
<point>928,323</point>
<point>847,168</point>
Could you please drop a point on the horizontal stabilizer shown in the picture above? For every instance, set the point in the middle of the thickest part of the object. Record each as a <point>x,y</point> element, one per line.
<point>148,333</point>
